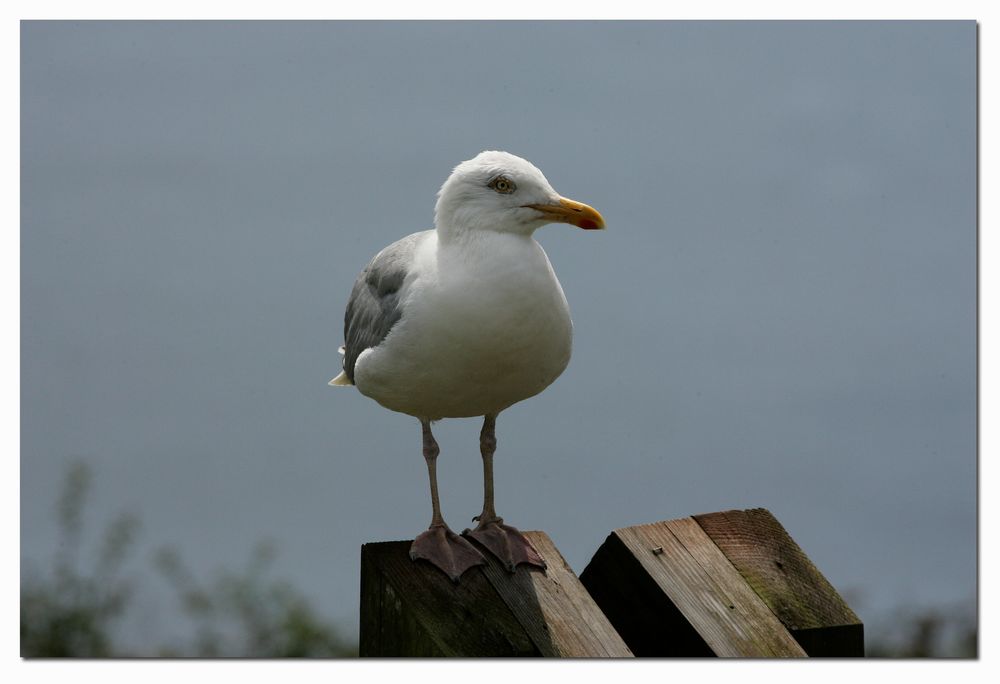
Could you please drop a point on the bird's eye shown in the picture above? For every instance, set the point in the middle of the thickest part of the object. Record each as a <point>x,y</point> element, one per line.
<point>503,185</point>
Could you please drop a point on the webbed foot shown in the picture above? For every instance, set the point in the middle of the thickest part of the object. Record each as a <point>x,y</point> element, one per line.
<point>447,551</point>
<point>506,543</point>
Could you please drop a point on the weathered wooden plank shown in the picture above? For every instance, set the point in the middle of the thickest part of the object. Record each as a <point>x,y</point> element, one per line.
<point>640,611</point>
<point>575,625</point>
<point>746,609</point>
<point>386,627</point>
<point>518,594</point>
<point>411,608</point>
<point>706,589</point>
<point>780,573</point>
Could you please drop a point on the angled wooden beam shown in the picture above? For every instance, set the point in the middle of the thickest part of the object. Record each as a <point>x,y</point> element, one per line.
<point>412,609</point>
<point>670,591</point>
<point>787,581</point>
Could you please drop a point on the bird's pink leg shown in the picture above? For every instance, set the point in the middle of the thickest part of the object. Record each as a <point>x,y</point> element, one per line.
<point>441,547</point>
<point>503,541</point>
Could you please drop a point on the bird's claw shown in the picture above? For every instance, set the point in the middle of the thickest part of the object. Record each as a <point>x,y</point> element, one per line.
<point>506,543</point>
<point>449,552</point>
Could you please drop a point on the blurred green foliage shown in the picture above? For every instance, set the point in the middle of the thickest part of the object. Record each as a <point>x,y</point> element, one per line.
<point>76,611</point>
<point>942,632</point>
<point>245,614</point>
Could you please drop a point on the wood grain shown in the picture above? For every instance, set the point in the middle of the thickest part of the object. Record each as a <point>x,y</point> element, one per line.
<point>575,624</point>
<point>786,580</point>
<point>706,589</point>
<point>641,612</point>
<point>412,609</point>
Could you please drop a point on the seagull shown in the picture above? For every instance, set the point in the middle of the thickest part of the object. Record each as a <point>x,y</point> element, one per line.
<point>465,320</point>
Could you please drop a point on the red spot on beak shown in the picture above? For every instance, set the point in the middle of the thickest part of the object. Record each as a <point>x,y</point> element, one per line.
<point>587,224</point>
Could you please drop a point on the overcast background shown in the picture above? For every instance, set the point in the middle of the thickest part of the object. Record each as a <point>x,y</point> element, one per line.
<point>780,314</point>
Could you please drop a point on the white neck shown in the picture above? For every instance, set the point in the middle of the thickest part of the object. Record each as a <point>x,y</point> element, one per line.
<point>468,227</point>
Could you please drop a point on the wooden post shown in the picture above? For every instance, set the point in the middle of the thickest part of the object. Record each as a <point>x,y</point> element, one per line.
<point>787,581</point>
<point>412,609</point>
<point>721,584</point>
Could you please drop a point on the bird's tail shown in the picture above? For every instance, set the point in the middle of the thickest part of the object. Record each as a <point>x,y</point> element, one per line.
<point>341,380</point>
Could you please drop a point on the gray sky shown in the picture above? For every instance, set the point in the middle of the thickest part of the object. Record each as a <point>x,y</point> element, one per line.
<point>780,314</point>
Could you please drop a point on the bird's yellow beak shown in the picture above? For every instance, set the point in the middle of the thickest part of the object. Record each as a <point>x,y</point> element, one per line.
<point>572,212</point>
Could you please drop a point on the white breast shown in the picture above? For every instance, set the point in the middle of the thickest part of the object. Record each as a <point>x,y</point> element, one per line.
<point>485,324</point>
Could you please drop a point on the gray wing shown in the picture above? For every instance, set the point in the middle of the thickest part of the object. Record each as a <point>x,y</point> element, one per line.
<point>374,307</point>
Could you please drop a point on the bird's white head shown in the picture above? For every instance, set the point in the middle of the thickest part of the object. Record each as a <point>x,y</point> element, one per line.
<point>501,192</point>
